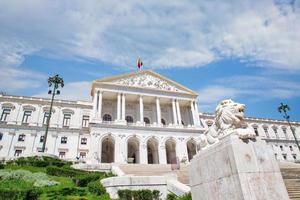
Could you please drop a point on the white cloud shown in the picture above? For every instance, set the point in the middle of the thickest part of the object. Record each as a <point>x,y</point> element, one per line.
<point>72,91</point>
<point>163,33</point>
<point>253,88</point>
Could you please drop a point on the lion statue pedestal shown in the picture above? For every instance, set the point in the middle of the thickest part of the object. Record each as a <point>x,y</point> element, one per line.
<point>232,164</point>
<point>234,169</point>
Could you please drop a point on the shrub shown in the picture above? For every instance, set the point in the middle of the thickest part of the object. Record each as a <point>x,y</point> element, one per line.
<point>83,179</point>
<point>171,196</point>
<point>185,197</point>
<point>18,189</point>
<point>67,191</point>
<point>61,171</point>
<point>96,187</point>
<point>38,161</point>
<point>138,194</point>
<point>125,194</point>
<point>37,179</point>
<point>143,195</point>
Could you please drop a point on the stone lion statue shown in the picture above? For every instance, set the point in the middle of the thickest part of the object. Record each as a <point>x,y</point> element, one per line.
<point>229,117</point>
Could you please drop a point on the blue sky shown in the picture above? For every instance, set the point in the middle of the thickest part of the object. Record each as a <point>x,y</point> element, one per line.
<point>244,50</point>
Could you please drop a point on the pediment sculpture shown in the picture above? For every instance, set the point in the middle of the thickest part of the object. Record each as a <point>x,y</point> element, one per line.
<point>147,81</point>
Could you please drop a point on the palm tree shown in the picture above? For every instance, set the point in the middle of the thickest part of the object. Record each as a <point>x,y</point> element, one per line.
<point>57,82</point>
<point>283,108</point>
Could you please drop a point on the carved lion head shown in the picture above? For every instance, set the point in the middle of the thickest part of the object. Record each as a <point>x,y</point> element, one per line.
<point>229,114</point>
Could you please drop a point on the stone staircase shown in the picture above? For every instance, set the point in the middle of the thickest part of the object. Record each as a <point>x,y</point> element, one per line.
<point>290,173</point>
<point>291,176</point>
<point>155,170</point>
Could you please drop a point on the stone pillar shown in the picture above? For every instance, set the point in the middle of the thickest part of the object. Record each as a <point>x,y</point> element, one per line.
<point>95,104</point>
<point>193,113</point>
<point>197,120</point>
<point>123,107</point>
<point>236,170</point>
<point>119,107</point>
<point>143,153</point>
<point>158,111</point>
<point>162,154</point>
<point>141,110</point>
<point>99,114</point>
<point>178,112</point>
<point>174,112</point>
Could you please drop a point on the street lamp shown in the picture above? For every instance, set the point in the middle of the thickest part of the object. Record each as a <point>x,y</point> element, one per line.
<point>283,108</point>
<point>57,82</point>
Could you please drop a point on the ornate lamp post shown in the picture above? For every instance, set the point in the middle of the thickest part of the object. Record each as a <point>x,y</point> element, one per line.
<point>283,108</point>
<point>57,82</point>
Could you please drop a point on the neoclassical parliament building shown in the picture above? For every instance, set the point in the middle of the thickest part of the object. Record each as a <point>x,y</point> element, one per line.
<point>141,117</point>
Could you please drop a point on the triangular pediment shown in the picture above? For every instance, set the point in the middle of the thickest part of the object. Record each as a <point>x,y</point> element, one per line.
<point>148,80</point>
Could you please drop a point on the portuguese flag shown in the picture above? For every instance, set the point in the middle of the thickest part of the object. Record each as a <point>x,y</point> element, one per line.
<point>139,63</point>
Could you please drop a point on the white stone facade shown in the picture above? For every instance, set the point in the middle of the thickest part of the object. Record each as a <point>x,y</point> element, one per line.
<point>135,118</point>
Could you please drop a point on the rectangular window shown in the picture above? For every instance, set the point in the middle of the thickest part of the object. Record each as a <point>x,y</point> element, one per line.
<point>18,152</point>
<point>82,154</point>
<point>281,148</point>
<point>291,148</point>
<point>83,141</point>
<point>42,139</point>
<point>26,116</point>
<point>63,140</point>
<point>4,115</point>
<point>266,131</point>
<point>67,119</point>
<point>1,136</point>
<point>276,156</point>
<point>21,138</point>
<point>256,131</point>
<point>85,120</point>
<point>295,156</point>
<point>284,156</point>
<point>62,154</point>
<point>46,116</point>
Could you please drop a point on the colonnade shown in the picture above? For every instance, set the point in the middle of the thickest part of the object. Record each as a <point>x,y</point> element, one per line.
<point>121,109</point>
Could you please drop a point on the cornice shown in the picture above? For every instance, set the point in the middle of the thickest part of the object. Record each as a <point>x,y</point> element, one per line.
<point>44,101</point>
<point>39,128</point>
<point>147,128</point>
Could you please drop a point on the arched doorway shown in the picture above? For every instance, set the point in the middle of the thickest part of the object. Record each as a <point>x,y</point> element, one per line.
<point>108,149</point>
<point>133,150</point>
<point>171,151</point>
<point>152,151</point>
<point>191,148</point>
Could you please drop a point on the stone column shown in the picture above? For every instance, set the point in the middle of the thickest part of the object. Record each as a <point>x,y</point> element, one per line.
<point>193,112</point>
<point>178,112</point>
<point>95,104</point>
<point>123,107</point>
<point>99,114</point>
<point>197,120</point>
<point>143,153</point>
<point>174,112</point>
<point>158,111</point>
<point>141,110</point>
<point>162,154</point>
<point>119,107</point>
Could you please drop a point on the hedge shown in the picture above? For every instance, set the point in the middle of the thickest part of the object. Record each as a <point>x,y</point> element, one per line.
<point>17,190</point>
<point>96,187</point>
<point>139,194</point>
<point>38,161</point>
<point>83,179</point>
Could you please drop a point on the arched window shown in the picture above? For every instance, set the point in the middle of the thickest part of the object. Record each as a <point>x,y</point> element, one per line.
<point>146,120</point>
<point>129,119</point>
<point>107,117</point>
<point>163,121</point>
